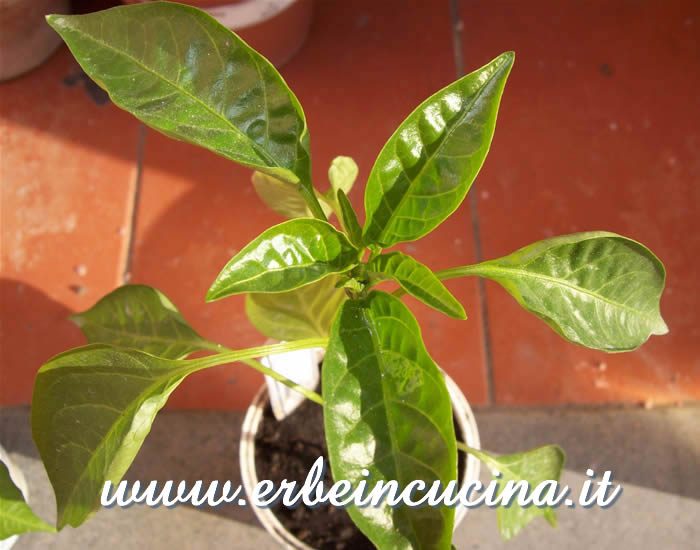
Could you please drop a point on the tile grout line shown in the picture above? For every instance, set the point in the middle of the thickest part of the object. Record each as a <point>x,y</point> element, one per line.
<point>457,28</point>
<point>126,272</point>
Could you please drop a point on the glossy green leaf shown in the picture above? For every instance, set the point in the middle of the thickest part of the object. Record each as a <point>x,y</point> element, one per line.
<point>16,517</point>
<point>535,466</point>
<point>342,174</point>
<point>416,279</point>
<point>143,318</point>
<point>92,408</point>
<point>596,289</point>
<point>306,312</point>
<point>349,219</point>
<point>287,256</point>
<point>426,168</point>
<point>387,409</point>
<point>183,73</point>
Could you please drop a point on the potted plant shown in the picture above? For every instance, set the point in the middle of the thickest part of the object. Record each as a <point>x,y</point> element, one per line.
<point>386,407</point>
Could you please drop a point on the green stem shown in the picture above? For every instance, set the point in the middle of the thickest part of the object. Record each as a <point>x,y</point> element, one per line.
<point>454,272</point>
<point>309,196</point>
<point>486,458</point>
<point>213,346</point>
<point>246,356</point>
<point>445,274</point>
<point>470,450</point>
<point>309,394</point>
<point>373,253</point>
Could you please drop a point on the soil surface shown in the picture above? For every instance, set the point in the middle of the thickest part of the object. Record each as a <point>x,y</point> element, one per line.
<point>288,450</point>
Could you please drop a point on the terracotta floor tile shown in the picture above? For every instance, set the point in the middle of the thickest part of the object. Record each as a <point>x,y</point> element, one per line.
<point>598,130</point>
<point>609,94</point>
<point>68,171</point>
<point>365,66</point>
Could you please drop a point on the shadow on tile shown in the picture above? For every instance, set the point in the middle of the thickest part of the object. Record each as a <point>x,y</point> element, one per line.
<point>34,327</point>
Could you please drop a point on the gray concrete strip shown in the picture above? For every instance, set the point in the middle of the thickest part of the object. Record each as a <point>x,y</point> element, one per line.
<point>653,454</point>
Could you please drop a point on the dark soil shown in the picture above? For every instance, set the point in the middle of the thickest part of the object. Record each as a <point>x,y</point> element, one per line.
<point>288,450</point>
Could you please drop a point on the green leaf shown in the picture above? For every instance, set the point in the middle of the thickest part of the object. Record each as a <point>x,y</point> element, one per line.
<point>285,199</point>
<point>143,318</point>
<point>596,289</point>
<point>328,206</point>
<point>16,517</point>
<point>342,174</point>
<point>416,279</point>
<point>183,73</point>
<point>535,466</point>
<point>426,168</point>
<point>306,312</point>
<point>351,283</point>
<point>280,196</point>
<point>387,409</point>
<point>287,256</point>
<point>92,408</point>
<point>349,219</point>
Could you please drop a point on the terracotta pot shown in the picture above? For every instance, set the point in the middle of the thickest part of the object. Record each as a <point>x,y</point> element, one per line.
<point>26,40</point>
<point>275,28</point>
<point>460,408</point>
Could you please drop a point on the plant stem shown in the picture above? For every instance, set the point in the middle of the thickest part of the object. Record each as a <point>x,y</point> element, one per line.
<point>226,355</point>
<point>309,196</point>
<point>454,272</point>
<point>490,461</point>
<point>309,394</point>
<point>451,273</point>
<point>486,458</point>
<point>470,450</point>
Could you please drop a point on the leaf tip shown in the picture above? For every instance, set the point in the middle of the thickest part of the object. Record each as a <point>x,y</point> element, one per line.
<point>504,61</point>
<point>661,327</point>
<point>551,516</point>
<point>56,21</point>
<point>219,290</point>
<point>507,533</point>
<point>459,313</point>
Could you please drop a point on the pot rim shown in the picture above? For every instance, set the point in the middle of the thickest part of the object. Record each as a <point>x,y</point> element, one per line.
<point>460,408</point>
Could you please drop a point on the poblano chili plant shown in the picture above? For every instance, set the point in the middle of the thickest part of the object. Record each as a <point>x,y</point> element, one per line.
<point>179,71</point>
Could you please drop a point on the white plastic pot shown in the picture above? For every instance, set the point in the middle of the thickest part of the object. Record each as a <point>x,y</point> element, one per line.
<point>21,483</point>
<point>460,408</point>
